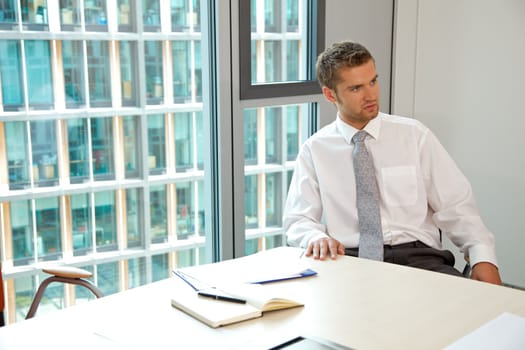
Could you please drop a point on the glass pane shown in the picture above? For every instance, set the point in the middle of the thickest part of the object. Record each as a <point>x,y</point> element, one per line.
<point>281,43</point>
<point>156,144</point>
<point>272,138</point>
<point>105,221</point>
<point>17,155</point>
<point>34,12</point>
<point>98,73</point>
<point>186,258</point>
<point>272,16</point>
<point>102,143</point>
<point>69,14</point>
<point>181,71</point>
<point>44,149</point>
<point>108,278</point>
<point>39,82</point>
<point>273,135</point>
<point>200,139</point>
<point>77,137</point>
<point>11,69</point>
<point>74,80</point>
<point>131,146</point>
<point>292,15</point>
<point>8,14</point>
<point>274,199</point>
<point>184,137</point>
<point>185,209</point>
<point>250,136</point>
<point>22,231</point>
<point>125,13</point>
<point>24,293</point>
<point>251,201</point>
<point>136,272</point>
<point>133,217</point>
<point>127,72</point>
<point>49,240</point>
<point>200,223</point>
<point>158,214</point>
<point>151,10</point>
<point>195,15</point>
<point>160,267</point>
<point>293,128</point>
<point>82,223</point>
<point>293,54</point>
<point>153,60</point>
<point>95,15</point>
<point>180,15</point>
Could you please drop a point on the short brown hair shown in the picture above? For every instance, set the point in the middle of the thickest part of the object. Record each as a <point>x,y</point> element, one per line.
<point>344,54</point>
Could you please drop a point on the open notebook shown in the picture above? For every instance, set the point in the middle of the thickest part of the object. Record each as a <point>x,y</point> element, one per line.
<point>216,313</point>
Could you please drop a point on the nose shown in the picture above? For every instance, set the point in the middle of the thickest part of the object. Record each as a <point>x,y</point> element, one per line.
<point>370,93</point>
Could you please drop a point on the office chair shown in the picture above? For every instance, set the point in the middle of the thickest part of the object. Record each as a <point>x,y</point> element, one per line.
<point>61,274</point>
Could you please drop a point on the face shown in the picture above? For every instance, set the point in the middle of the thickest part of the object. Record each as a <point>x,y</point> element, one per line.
<point>356,96</point>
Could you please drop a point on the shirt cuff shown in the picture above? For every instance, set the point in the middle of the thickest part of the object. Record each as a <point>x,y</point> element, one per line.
<point>482,253</point>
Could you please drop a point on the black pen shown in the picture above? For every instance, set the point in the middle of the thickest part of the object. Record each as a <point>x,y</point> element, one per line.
<point>222,297</point>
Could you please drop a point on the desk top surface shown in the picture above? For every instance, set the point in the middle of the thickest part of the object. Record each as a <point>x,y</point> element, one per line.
<point>358,303</point>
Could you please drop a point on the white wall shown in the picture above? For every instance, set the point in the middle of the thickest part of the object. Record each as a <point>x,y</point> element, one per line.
<point>459,66</point>
<point>369,23</point>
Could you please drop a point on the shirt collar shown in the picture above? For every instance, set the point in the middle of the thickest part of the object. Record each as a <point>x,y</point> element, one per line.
<point>372,128</point>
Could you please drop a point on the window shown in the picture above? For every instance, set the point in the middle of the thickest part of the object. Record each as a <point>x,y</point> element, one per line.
<point>22,232</point>
<point>74,79</point>
<point>78,145</point>
<point>17,155</point>
<point>102,148</point>
<point>272,138</point>
<point>39,86</point>
<point>126,151</point>
<point>127,72</point>
<point>156,144</point>
<point>278,50</point>
<point>44,150</point>
<point>82,223</point>
<point>70,14</point>
<point>34,14</point>
<point>11,69</point>
<point>154,71</point>
<point>99,73</point>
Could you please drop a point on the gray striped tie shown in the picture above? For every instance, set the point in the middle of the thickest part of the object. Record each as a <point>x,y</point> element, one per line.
<point>367,193</point>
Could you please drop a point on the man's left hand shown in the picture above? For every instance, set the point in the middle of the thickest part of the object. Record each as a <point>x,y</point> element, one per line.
<point>486,272</point>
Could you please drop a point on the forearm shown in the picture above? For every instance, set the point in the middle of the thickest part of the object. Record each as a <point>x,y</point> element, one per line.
<point>301,231</point>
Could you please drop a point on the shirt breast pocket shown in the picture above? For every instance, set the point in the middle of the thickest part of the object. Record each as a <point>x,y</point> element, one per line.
<point>399,185</point>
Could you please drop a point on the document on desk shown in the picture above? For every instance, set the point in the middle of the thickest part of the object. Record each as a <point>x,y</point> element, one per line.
<point>507,331</point>
<point>215,313</point>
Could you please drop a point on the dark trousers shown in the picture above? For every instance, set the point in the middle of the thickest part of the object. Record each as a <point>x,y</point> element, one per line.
<point>417,254</point>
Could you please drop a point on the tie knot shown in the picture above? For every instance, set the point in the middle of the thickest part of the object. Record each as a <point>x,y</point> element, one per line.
<point>359,136</point>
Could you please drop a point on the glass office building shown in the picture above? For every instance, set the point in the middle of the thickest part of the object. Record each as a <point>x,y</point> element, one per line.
<point>103,145</point>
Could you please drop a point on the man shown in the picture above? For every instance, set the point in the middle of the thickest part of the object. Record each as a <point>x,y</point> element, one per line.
<point>421,191</point>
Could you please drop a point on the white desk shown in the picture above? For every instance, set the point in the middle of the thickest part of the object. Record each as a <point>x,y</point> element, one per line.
<point>354,302</point>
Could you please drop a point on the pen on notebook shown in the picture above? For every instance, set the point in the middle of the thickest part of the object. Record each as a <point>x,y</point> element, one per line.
<point>222,297</point>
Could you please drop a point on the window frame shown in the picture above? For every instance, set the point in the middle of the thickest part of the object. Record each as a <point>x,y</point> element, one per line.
<point>315,45</point>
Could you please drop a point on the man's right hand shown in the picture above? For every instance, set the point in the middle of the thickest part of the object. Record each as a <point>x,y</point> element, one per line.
<point>324,247</point>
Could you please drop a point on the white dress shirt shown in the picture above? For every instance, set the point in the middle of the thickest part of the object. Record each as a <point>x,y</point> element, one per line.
<point>421,189</point>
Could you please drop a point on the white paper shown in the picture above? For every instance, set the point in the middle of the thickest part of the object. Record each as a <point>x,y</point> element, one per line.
<point>505,332</point>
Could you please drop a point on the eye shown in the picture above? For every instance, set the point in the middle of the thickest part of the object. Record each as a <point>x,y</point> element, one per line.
<point>354,88</point>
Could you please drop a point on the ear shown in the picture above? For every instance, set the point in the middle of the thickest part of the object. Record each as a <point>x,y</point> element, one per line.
<point>329,94</point>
